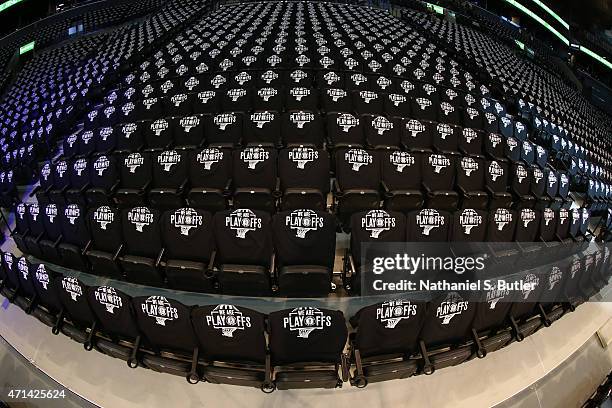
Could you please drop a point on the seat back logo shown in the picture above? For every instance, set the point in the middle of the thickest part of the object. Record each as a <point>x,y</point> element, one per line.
<point>228,319</point>
<point>159,308</point>
<point>242,221</point>
<point>107,297</point>
<point>305,320</point>
<point>394,311</point>
<point>185,219</point>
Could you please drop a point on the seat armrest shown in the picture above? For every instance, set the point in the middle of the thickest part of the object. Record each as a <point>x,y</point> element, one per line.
<point>227,190</point>
<point>427,189</point>
<point>57,241</point>
<point>384,187</point>
<point>336,187</point>
<point>159,258</point>
<point>84,188</point>
<point>86,248</point>
<point>117,252</point>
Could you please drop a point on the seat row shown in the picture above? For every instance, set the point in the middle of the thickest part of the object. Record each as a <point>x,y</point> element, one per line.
<point>302,347</point>
<point>249,252</point>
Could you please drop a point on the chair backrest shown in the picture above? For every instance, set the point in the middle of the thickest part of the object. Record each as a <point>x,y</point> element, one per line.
<point>210,167</point>
<point>141,232</point>
<point>169,168</point>
<point>469,225</point>
<point>51,221</point>
<point>255,167</point>
<point>230,333</point>
<point>389,327</point>
<point>501,225</point>
<point>187,234</point>
<point>438,171</point>
<point>103,172</point>
<point>305,167</point>
<point>307,334</point>
<point>401,170</point>
<point>357,169</point>
<point>135,169</point>
<point>470,173</point>
<point>45,285</point>
<point>449,319</point>
<point>114,311</point>
<point>73,296</point>
<point>165,323</point>
<point>105,227</point>
<point>528,222</point>
<point>376,226</point>
<point>243,236</point>
<point>304,237</point>
<point>73,221</point>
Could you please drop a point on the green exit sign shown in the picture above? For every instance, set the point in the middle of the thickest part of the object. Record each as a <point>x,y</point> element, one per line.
<point>27,47</point>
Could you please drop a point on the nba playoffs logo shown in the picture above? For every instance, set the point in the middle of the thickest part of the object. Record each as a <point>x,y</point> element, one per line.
<point>45,171</point>
<point>450,307</point>
<point>415,127</point>
<point>438,162</point>
<point>185,219</point>
<point>189,122</point>
<point>527,215</point>
<point>428,219</point>
<point>377,221</point>
<point>305,320</point>
<point>223,120</point>
<point>243,221</point>
<point>494,295</point>
<point>368,96</point>
<point>444,130</point>
<point>205,96</point>
<point>303,221</point>
<point>563,215</point>
<point>22,265</point>
<point>392,312</point>
<point>228,319</point>
<point>555,276</point>
<point>336,94</point>
<point>303,155</point>
<point>469,165</point>
<point>128,129</point>
<point>160,309</point>
<point>537,175</point>
<point>548,215</point>
<point>469,219</point>
<point>381,124</point>
<point>72,286</point>
<point>552,179</point>
<point>208,157</point>
<point>21,208</point>
<point>331,77</point>
<point>140,217</point>
<point>61,168</point>
<point>357,158</point>
<point>346,121</point>
<point>261,118</point>
<point>495,170</point>
<point>34,210</point>
<point>42,276</point>
<point>521,173</point>
<point>299,93</point>
<point>469,135</point>
<point>72,212</point>
<point>397,99</point>
<point>253,156</point>
<point>531,281</point>
<point>168,158</point>
<point>159,126</point>
<point>107,297</point>
<point>494,139</point>
<point>502,217</point>
<point>237,93</point>
<point>51,212</point>
<point>133,161</point>
<point>104,216</point>
<point>401,160</point>
<point>301,118</point>
<point>267,93</point>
